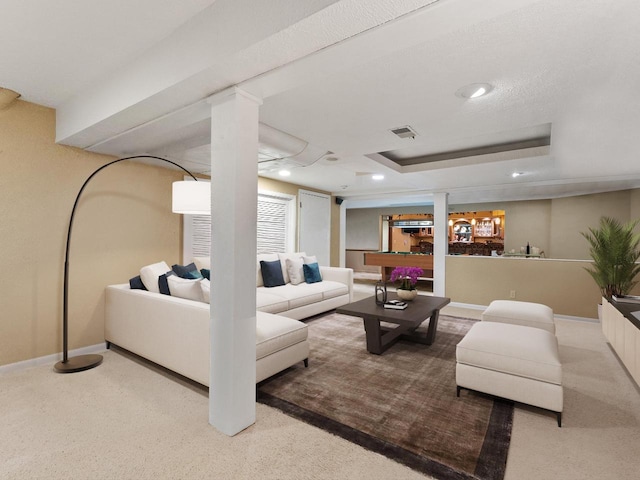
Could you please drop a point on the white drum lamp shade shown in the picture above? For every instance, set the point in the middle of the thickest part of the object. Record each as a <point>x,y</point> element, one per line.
<point>192,198</point>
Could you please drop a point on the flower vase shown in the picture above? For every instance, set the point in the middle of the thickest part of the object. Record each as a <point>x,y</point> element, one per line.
<point>406,295</point>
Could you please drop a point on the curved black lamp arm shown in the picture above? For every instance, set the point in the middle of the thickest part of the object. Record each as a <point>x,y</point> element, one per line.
<point>65,304</point>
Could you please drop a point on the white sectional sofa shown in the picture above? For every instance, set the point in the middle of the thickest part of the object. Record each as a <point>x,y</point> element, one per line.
<point>174,332</point>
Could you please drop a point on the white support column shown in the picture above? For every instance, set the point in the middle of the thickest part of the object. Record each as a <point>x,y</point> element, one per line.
<point>440,242</point>
<point>234,197</point>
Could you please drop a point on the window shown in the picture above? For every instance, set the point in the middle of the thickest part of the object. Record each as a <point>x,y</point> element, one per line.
<point>275,228</point>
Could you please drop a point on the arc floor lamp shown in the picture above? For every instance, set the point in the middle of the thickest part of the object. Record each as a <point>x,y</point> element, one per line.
<point>188,198</point>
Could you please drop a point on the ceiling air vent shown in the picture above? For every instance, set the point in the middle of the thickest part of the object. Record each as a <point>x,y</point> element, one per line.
<point>404,132</point>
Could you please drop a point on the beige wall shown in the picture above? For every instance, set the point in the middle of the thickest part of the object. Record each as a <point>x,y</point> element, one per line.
<point>123,222</point>
<point>527,222</point>
<point>564,285</point>
<point>573,215</point>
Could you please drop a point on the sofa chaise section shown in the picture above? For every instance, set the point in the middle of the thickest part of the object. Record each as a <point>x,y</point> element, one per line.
<point>174,333</point>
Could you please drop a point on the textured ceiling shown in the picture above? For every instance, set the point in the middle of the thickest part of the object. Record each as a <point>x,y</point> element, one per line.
<point>131,77</point>
<point>53,50</point>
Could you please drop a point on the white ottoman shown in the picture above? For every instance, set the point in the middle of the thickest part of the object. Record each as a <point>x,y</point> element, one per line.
<point>520,313</point>
<point>511,361</point>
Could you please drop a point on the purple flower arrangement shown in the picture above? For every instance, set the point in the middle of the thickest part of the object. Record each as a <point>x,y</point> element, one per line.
<point>408,276</point>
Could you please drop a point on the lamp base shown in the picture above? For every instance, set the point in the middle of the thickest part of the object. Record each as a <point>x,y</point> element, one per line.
<point>78,364</point>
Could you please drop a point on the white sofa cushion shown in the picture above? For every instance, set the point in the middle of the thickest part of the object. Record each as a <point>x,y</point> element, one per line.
<point>274,333</point>
<point>202,262</point>
<point>297,295</point>
<point>332,289</point>
<point>150,273</point>
<point>185,288</point>
<point>268,302</point>
<point>514,349</point>
<point>205,286</point>
<point>328,288</point>
<point>310,259</point>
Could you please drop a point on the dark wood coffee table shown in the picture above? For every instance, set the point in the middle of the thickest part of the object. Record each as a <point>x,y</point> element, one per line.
<point>380,338</point>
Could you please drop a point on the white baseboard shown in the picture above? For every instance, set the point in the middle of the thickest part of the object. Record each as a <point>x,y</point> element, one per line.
<point>577,319</point>
<point>472,306</point>
<point>50,359</point>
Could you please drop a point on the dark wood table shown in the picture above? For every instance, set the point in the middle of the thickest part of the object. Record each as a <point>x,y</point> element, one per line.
<point>380,338</point>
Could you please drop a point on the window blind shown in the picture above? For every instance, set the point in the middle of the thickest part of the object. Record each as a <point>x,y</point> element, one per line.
<point>272,225</point>
<point>275,227</point>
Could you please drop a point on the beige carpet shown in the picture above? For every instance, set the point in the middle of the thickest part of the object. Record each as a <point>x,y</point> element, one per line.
<point>125,420</point>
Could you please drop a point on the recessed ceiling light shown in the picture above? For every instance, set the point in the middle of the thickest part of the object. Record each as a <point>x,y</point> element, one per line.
<point>284,173</point>
<point>377,176</point>
<point>474,90</point>
<point>516,174</point>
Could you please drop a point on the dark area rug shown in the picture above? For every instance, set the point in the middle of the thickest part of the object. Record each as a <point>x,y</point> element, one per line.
<point>401,404</point>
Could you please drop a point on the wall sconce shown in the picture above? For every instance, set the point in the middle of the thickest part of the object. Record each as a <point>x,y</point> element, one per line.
<point>497,220</point>
<point>473,221</point>
<point>451,223</point>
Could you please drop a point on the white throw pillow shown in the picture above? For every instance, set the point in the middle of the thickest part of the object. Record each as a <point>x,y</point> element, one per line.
<point>309,260</point>
<point>149,275</point>
<point>185,287</point>
<point>295,270</point>
<point>205,286</point>
<point>283,261</point>
<point>202,262</point>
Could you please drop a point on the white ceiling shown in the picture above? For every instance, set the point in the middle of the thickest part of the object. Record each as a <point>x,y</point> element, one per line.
<point>132,77</point>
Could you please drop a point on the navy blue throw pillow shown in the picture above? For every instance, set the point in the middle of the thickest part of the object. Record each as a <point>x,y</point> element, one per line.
<point>311,273</point>
<point>135,283</point>
<point>272,273</point>
<point>206,273</point>
<point>186,271</point>
<point>163,285</point>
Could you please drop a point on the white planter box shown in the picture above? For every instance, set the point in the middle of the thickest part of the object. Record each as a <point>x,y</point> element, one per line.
<point>623,336</point>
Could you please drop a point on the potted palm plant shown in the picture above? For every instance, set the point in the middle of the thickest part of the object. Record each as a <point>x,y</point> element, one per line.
<point>614,250</point>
